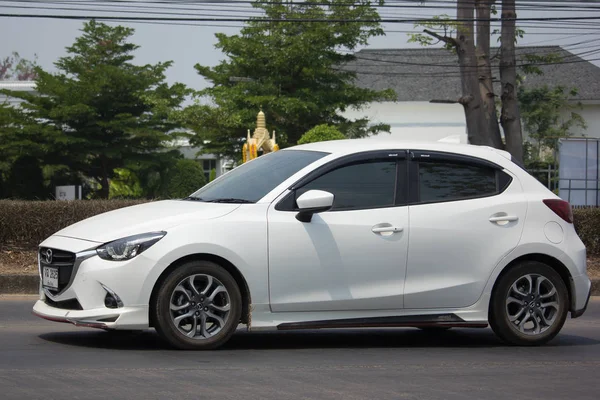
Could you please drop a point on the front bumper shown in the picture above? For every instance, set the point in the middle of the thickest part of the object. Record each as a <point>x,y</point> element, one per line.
<point>83,300</point>
<point>104,318</point>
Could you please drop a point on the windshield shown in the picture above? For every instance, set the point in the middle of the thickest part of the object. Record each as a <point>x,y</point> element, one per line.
<point>251,181</point>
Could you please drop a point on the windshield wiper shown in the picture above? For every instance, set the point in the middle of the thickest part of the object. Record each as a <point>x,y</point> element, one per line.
<point>230,200</point>
<point>193,198</point>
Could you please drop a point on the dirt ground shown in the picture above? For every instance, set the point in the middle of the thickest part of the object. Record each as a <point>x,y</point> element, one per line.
<point>25,262</point>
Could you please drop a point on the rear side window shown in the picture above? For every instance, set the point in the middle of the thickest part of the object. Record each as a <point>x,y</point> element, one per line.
<point>446,181</point>
<point>358,186</point>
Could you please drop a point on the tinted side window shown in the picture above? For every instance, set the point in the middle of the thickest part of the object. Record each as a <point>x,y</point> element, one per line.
<point>356,186</point>
<point>443,181</point>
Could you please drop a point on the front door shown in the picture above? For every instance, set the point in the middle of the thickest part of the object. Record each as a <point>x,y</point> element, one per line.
<point>352,257</point>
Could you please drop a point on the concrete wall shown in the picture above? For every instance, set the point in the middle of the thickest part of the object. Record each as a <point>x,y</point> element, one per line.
<point>591,114</point>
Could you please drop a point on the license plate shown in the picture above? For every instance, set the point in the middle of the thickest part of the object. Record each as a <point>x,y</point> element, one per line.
<point>50,277</point>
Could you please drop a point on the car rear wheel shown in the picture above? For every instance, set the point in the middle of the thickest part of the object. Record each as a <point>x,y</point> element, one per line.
<point>529,304</point>
<point>198,306</point>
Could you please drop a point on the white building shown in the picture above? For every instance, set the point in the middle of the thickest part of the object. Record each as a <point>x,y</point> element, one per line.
<point>416,120</point>
<point>419,76</point>
<point>208,162</point>
<point>21,86</point>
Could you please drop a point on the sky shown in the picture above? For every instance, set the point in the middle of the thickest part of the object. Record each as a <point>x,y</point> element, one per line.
<point>188,45</point>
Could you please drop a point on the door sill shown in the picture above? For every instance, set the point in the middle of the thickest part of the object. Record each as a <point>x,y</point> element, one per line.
<point>416,321</point>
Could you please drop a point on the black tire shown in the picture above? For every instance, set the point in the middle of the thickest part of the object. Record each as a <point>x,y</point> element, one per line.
<point>161,306</point>
<point>499,316</point>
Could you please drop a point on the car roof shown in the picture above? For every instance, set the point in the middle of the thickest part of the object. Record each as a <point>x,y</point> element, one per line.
<point>350,146</point>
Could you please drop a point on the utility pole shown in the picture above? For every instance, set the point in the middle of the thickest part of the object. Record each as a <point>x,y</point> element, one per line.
<point>510,117</point>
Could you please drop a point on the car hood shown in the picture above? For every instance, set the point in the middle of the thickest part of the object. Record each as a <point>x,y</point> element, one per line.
<point>143,218</point>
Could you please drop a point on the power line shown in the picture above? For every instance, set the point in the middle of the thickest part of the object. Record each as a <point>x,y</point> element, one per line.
<point>219,17</point>
<point>387,31</point>
<point>579,23</point>
<point>574,5</point>
<point>582,25</point>
<point>248,7</point>
<point>166,21</point>
<point>572,57</point>
<point>295,20</point>
<point>356,70</point>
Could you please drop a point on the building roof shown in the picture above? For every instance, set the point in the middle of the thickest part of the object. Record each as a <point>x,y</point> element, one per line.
<point>18,85</point>
<point>427,74</point>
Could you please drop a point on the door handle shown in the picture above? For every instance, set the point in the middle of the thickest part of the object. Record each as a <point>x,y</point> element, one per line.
<point>387,229</point>
<point>504,218</point>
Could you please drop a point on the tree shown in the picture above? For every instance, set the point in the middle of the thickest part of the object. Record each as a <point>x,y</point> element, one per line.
<point>25,179</point>
<point>480,108</point>
<point>548,114</point>
<point>294,70</point>
<point>510,116</point>
<point>125,184</point>
<point>20,136</point>
<point>459,36</point>
<point>14,67</point>
<point>183,179</point>
<point>153,173</point>
<point>321,133</point>
<point>484,69</point>
<point>100,110</point>
<point>471,95</point>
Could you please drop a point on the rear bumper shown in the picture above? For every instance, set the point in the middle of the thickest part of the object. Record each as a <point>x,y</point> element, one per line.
<point>579,313</point>
<point>102,318</point>
<point>581,289</point>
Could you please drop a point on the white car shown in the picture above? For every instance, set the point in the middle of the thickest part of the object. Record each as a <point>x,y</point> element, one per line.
<point>352,233</point>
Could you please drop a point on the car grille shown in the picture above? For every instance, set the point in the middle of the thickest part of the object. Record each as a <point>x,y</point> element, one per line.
<point>72,304</point>
<point>63,260</point>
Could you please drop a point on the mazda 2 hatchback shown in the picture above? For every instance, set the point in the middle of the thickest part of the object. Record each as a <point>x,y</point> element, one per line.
<point>354,233</point>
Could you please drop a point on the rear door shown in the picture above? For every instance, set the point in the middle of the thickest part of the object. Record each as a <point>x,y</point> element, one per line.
<point>465,215</point>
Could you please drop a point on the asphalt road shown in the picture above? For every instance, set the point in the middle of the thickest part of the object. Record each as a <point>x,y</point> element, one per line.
<point>46,360</point>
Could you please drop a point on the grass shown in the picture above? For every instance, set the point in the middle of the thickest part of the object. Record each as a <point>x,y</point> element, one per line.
<point>13,262</point>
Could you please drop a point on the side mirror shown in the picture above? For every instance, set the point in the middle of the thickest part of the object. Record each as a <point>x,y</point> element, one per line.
<point>312,202</point>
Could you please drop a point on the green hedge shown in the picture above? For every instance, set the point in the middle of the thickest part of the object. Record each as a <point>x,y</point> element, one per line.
<point>24,224</point>
<point>587,224</point>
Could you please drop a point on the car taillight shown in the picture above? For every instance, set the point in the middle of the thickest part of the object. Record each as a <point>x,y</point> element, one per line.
<point>561,208</point>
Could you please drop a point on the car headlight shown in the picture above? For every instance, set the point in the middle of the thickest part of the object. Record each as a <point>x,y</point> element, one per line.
<point>129,247</point>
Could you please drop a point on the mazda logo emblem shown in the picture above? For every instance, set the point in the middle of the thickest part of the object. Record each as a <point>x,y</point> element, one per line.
<point>48,256</point>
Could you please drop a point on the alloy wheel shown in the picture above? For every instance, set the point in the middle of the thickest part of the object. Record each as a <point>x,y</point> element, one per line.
<point>532,304</point>
<point>200,306</point>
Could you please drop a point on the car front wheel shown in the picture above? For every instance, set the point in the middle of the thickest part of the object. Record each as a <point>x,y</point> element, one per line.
<point>198,306</point>
<point>529,304</point>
